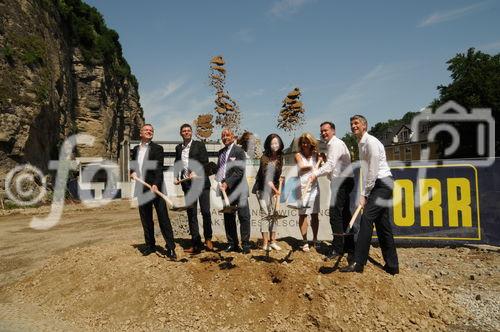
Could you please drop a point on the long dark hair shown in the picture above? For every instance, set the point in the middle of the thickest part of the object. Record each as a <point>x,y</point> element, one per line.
<point>267,145</point>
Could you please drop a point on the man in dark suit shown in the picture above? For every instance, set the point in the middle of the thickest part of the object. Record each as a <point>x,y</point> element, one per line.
<point>147,164</point>
<point>231,178</point>
<point>191,160</point>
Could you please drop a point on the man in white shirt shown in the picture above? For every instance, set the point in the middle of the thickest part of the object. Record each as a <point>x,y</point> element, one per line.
<point>337,168</point>
<point>376,193</point>
<point>191,160</point>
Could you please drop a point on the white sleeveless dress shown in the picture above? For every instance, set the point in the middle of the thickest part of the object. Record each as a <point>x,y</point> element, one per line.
<point>308,201</point>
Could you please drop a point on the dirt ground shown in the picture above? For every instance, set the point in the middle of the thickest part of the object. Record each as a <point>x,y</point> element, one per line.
<point>87,273</point>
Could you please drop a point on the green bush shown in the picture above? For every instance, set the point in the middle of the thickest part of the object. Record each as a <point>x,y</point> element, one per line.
<point>32,57</point>
<point>42,92</point>
<point>9,54</point>
<point>89,33</point>
<point>33,51</point>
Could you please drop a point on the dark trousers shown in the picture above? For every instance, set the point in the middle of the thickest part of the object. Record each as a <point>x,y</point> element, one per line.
<point>378,214</point>
<point>230,224</point>
<point>146,214</point>
<point>192,214</point>
<point>340,213</point>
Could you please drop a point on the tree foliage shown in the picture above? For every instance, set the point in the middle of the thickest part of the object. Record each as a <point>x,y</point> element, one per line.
<point>88,31</point>
<point>475,84</point>
<point>352,144</point>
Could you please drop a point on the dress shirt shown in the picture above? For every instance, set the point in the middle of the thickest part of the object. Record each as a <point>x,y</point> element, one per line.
<point>185,155</point>
<point>141,154</point>
<point>338,160</point>
<point>228,151</point>
<point>373,162</point>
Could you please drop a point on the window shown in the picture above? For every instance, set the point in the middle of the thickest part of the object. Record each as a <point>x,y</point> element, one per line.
<point>425,128</point>
<point>404,135</point>
<point>408,153</point>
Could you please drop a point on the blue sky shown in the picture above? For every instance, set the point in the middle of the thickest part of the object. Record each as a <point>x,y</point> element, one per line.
<point>378,59</point>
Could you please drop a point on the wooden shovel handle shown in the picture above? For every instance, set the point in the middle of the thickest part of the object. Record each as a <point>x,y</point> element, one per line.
<point>277,203</point>
<point>226,200</point>
<point>354,216</point>
<point>309,181</point>
<point>186,179</point>
<point>159,193</point>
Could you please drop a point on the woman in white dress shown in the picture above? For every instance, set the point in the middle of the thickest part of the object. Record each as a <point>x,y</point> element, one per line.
<point>308,193</point>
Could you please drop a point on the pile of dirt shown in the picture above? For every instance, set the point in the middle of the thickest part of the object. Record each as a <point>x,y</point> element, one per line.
<point>292,111</point>
<point>228,112</point>
<point>88,273</point>
<point>114,287</point>
<point>251,144</point>
<point>204,126</point>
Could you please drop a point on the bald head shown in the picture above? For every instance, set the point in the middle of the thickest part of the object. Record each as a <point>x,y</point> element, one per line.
<point>227,137</point>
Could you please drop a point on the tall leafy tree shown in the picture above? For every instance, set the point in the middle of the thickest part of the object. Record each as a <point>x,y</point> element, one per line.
<point>476,84</point>
<point>352,144</point>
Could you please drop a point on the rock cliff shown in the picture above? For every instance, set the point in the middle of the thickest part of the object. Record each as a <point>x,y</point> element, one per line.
<point>61,72</point>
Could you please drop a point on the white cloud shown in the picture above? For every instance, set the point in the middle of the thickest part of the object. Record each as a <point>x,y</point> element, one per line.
<point>359,97</point>
<point>357,91</point>
<point>490,46</point>
<point>449,15</point>
<point>245,35</point>
<point>177,103</point>
<point>159,94</point>
<point>286,8</point>
<point>254,93</point>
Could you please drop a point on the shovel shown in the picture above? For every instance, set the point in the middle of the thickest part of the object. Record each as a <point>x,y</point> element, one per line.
<point>194,176</point>
<point>351,223</point>
<point>228,208</point>
<point>306,189</point>
<point>275,214</point>
<point>170,204</point>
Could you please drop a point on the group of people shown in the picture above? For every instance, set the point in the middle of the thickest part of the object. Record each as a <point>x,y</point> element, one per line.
<point>191,171</point>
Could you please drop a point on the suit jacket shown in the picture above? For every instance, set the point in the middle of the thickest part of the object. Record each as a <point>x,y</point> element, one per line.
<point>235,174</point>
<point>152,176</point>
<point>197,152</point>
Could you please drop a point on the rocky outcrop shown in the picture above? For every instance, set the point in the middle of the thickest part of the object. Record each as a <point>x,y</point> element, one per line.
<point>53,85</point>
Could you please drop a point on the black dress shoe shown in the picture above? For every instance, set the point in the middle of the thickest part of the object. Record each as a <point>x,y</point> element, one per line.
<point>354,267</point>
<point>148,251</point>
<point>350,258</point>
<point>232,248</point>
<point>171,254</point>
<point>333,254</point>
<point>245,249</point>
<point>391,270</point>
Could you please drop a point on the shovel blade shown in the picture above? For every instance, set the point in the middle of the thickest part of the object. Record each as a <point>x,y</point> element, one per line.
<point>229,209</point>
<point>178,208</point>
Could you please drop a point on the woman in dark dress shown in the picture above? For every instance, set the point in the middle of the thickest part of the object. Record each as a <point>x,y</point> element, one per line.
<point>267,187</point>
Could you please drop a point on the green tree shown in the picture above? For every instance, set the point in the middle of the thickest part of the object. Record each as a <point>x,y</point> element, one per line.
<point>352,144</point>
<point>476,84</point>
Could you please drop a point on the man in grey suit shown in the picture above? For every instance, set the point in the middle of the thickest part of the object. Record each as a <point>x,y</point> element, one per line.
<point>231,178</point>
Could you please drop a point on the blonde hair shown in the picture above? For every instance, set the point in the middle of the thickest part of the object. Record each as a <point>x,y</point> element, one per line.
<point>310,139</point>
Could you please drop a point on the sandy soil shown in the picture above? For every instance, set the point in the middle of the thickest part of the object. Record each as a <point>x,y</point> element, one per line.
<point>87,273</point>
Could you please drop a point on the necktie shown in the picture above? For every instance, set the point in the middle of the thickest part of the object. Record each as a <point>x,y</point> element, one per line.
<point>185,160</point>
<point>222,166</point>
